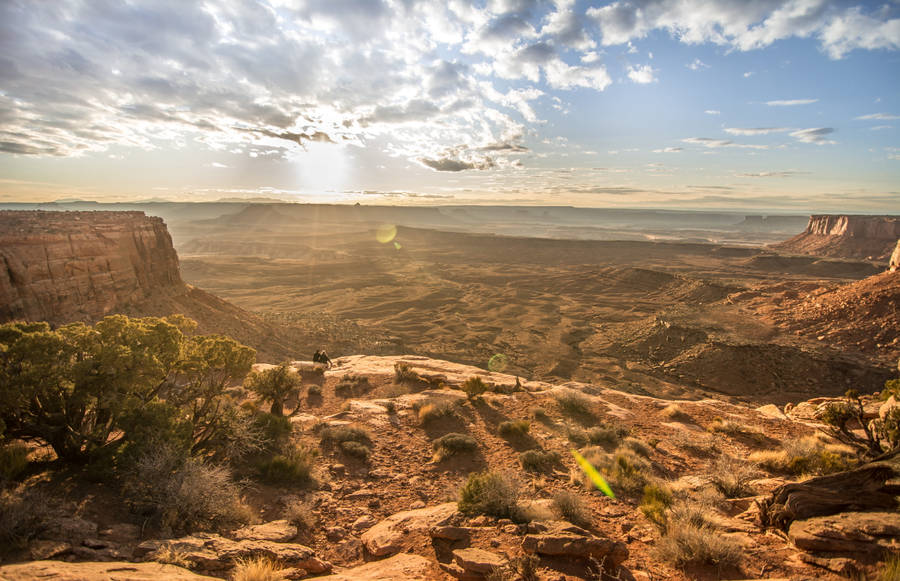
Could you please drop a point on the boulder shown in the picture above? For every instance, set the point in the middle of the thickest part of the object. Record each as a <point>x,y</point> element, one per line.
<point>888,406</point>
<point>478,561</point>
<point>387,537</point>
<point>215,553</point>
<point>574,542</point>
<point>404,566</point>
<point>279,531</point>
<point>848,532</point>
<point>71,529</point>
<point>115,571</point>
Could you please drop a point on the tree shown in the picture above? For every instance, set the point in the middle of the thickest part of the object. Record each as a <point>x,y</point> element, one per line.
<point>275,384</point>
<point>88,389</point>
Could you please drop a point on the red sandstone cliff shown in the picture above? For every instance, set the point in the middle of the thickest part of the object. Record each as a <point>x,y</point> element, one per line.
<point>80,266</point>
<point>867,237</point>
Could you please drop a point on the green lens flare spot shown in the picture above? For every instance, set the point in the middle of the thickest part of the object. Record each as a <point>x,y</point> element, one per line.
<point>592,473</point>
<point>386,233</point>
<point>498,363</point>
<point>397,245</point>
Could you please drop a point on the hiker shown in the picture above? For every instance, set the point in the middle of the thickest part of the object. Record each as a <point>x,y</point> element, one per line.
<point>323,358</point>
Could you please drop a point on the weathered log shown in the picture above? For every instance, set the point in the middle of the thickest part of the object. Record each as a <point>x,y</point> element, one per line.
<point>853,490</point>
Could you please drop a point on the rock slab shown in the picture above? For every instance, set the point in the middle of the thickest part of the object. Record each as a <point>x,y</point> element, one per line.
<point>848,532</point>
<point>119,571</point>
<point>405,566</point>
<point>387,537</point>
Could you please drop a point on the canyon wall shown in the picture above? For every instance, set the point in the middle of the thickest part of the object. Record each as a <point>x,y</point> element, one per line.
<point>63,266</point>
<point>863,237</point>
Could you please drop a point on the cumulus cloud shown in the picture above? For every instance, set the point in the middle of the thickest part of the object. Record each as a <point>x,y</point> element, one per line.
<point>642,74</point>
<point>713,143</point>
<point>713,112</point>
<point>749,25</point>
<point>669,150</point>
<point>791,102</point>
<point>816,135</point>
<point>769,174</point>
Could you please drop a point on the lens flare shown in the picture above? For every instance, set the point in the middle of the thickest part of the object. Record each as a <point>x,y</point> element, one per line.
<point>592,473</point>
<point>498,363</point>
<point>386,233</point>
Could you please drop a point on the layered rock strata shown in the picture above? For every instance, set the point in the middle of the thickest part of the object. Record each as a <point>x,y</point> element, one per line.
<point>866,237</point>
<point>82,265</point>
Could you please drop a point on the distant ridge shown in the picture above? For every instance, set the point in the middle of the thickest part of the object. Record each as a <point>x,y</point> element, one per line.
<point>842,236</point>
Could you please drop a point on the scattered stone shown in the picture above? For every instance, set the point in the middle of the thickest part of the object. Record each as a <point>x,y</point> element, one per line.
<point>510,529</point>
<point>404,566</point>
<point>121,533</point>
<point>840,565</point>
<point>363,523</point>
<point>334,534</point>
<point>478,560</point>
<point>450,533</point>
<point>279,531</point>
<point>114,571</point>
<point>567,542</point>
<point>417,505</point>
<point>771,410</point>
<point>386,537</point>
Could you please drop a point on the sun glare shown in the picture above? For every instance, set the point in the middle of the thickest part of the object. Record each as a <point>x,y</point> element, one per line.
<point>323,170</point>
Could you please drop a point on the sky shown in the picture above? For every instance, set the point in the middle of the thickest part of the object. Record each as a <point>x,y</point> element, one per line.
<point>770,105</point>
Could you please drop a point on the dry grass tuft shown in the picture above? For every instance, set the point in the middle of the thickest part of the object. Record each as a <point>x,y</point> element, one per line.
<point>675,413</point>
<point>435,409</point>
<point>489,493</point>
<point>623,469</point>
<point>256,569</point>
<point>691,539</point>
<point>732,477</point>
<point>812,455</point>
<point>572,508</point>
<point>514,428</point>
<point>169,554</point>
<point>453,444</point>
<point>301,515</point>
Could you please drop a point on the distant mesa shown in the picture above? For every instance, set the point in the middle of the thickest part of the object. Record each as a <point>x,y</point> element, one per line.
<point>63,267</point>
<point>841,236</point>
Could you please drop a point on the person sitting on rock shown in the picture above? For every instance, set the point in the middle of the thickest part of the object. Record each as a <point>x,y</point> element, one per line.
<point>324,359</point>
<point>317,357</point>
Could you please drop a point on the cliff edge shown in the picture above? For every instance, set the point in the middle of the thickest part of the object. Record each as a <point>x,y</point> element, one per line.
<point>82,265</point>
<point>63,267</point>
<point>861,237</point>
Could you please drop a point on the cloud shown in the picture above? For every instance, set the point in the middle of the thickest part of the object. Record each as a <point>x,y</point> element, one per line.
<point>748,74</point>
<point>814,135</point>
<point>669,150</point>
<point>755,130</point>
<point>770,174</point>
<point>791,102</point>
<point>697,65</point>
<point>453,165</point>
<point>749,25</point>
<point>641,74</point>
<point>713,112</point>
<point>717,143</point>
<point>879,116</point>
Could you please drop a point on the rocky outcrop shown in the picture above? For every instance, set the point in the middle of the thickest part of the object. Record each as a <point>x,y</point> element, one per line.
<point>571,541</point>
<point>58,266</point>
<point>114,571</point>
<point>865,237</point>
<point>849,532</point>
<point>388,536</point>
<point>404,566</point>
<point>894,264</point>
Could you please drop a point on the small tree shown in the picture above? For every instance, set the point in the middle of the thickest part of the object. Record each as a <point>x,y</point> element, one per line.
<point>879,436</point>
<point>275,384</point>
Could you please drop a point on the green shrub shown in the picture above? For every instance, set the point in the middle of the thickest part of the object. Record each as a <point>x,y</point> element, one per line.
<point>474,386</point>
<point>293,466</point>
<point>691,541</point>
<point>352,386</point>
<point>574,404</point>
<point>489,493</point>
<point>301,515</point>
<point>435,409</point>
<point>338,434</point>
<point>623,469</point>
<point>273,430</point>
<point>403,373</point>
<point>453,444</point>
<point>636,446</point>
<point>514,429</point>
<point>13,460</point>
<point>891,388</point>
<point>22,516</point>
<point>185,495</point>
<point>275,385</point>
<point>607,437</point>
<point>572,508</point>
<point>539,461</point>
<point>355,449</point>
<point>656,500</point>
<point>732,477</point>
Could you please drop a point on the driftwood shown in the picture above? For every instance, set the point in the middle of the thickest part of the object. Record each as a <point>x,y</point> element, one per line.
<point>854,490</point>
